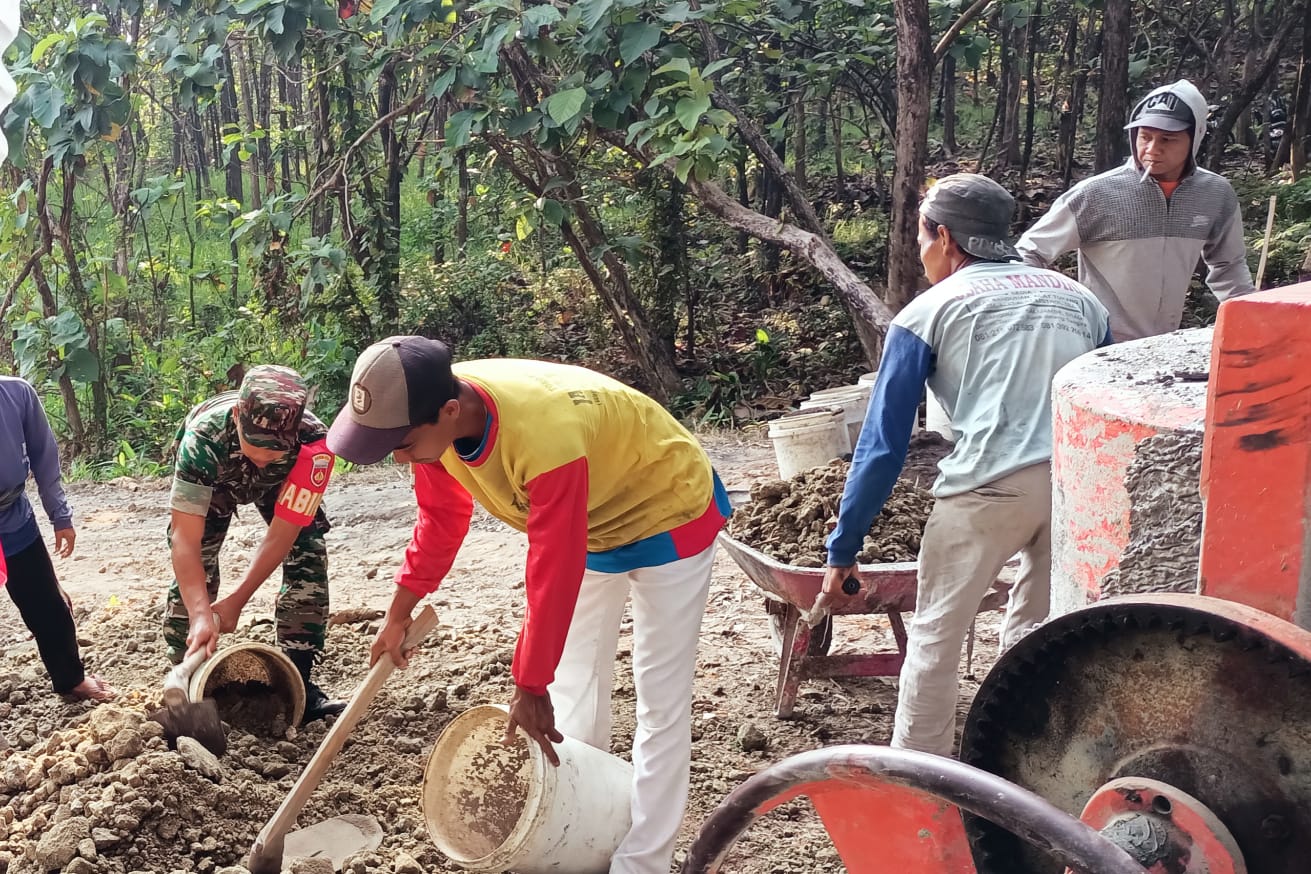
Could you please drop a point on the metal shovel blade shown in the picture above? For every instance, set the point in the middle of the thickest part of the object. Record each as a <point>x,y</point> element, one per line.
<point>199,720</point>
<point>335,839</point>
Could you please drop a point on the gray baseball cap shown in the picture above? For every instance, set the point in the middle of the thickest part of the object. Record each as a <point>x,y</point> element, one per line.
<point>1164,110</point>
<point>977,211</point>
<point>397,383</point>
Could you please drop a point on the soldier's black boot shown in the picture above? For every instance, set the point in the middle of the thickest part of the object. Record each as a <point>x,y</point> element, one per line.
<point>317,703</point>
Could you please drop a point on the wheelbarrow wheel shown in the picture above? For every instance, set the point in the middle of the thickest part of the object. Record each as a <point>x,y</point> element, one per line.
<point>821,637</point>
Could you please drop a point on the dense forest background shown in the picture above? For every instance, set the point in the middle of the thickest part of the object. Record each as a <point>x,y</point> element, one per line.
<point>713,201</point>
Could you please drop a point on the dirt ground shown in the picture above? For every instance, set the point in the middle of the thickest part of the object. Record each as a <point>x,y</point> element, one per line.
<point>94,789</point>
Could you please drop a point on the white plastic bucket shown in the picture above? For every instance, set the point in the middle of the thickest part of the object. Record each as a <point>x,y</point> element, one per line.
<point>492,808</point>
<point>868,379</point>
<point>854,400</point>
<point>936,418</point>
<point>808,439</point>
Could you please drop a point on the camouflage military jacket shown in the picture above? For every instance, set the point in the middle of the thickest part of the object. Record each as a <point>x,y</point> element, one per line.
<point>211,475</point>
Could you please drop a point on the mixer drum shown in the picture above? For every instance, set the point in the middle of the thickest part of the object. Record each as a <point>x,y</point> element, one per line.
<point>1207,696</point>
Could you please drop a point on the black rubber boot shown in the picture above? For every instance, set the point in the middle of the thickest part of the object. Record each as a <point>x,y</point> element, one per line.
<point>317,703</point>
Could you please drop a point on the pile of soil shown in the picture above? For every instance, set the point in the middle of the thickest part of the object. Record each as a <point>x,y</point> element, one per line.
<point>790,519</point>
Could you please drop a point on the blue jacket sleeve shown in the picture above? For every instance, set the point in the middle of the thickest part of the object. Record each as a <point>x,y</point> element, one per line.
<point>884,438</point>
<point>43,455</point>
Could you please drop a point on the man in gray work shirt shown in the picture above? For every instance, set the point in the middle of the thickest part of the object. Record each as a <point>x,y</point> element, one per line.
<point>1141,228</point>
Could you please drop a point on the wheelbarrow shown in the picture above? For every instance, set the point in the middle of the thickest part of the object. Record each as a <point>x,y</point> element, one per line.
<point>790,591</point>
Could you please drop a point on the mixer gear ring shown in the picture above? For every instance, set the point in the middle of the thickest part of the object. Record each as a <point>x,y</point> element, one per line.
<point>1208,696</point>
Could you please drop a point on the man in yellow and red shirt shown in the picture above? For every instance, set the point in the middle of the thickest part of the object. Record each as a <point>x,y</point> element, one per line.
<point>616,497</point>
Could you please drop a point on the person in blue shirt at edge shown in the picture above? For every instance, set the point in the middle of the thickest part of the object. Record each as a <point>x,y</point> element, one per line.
<point>27,447</point>
<point>987,337</point>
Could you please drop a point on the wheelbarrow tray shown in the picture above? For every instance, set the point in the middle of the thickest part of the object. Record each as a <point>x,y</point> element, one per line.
<point>889,588</point>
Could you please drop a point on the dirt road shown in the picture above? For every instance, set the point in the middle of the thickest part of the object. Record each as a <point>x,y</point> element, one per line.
<point>149,810</point>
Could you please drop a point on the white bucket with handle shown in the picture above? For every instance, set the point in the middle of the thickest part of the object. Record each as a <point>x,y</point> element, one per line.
<point>854,401</point>
<point>491,808</point>
<point>807,439</point>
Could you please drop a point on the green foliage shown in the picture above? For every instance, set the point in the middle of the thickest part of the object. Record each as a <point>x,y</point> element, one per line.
<point>481,305</point>
<point>47,348</point>
<point>71,89</point>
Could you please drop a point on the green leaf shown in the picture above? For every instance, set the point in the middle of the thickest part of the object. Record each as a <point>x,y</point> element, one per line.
<point>458,127</point>
<point>523,227</point>
<point>552,211</point>
<point>636,39</point>
<point>683,167</point>
<point>677,13</point>
<point>66,331</point>
<point>590,12</point>
<point>564,106</point>
<point>712,69</point>
<point>537,17</point>
<point>522,124</point>
<point>39,50</point>
<point>677,65</point>
<point>443,83</point>
<point>81,365</point>
<point>382,9</point>
<point>688,112</point>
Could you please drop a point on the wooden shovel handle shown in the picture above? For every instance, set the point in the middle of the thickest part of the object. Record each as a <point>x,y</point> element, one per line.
<point>276,828</point>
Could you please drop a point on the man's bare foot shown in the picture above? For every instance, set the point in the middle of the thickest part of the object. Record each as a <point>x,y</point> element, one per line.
<point>92,688</point>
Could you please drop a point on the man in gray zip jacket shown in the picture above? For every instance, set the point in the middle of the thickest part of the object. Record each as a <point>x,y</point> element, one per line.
<point>1141,228</point>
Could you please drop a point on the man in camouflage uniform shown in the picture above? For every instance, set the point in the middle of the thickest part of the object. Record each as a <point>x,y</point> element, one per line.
<point>258,445</point>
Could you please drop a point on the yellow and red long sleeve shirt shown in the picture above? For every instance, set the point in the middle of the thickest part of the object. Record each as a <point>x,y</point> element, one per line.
<point>597,474</point>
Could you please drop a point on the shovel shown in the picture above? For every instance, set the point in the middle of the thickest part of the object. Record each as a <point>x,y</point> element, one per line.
<point>181,717</point>
<point>343,833</point>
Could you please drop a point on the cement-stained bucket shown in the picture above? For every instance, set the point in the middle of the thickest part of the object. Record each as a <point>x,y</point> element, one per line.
<point>254,686</point>
<point>854,401</point>
<point>491,808</point>
<point>809,438</point>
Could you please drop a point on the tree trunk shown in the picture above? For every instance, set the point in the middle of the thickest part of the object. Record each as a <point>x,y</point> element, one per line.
<point>264,118</point>
<point>743,197</point>
<point>1301,126</point>
<point>76,431</point>
<point>1067,127</point>
<point>800,147</point>
<point>949,144</point>
<point>248,115</point>
<point>230,125</point>
<point>284,131</point>
<point>389,244</point>
<point>1112,104</point>
<point>870,316</point>
<point>321,209</point>
<point>914,70</point>
<point>770,187</point>
<point>1251,58</point>
<point>462,204</point>
<point>584,236</point>
<point>1248,88</point>
<point>82,302</point>
<point>1010,150</point>
<point>1030,77</point>
<point>839,174</point>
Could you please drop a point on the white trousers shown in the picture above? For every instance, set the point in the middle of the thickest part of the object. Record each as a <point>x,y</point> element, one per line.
<point>967,541</point>
<point>668,603</point>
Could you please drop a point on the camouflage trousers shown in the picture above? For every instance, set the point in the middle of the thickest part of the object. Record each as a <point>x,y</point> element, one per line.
<point>301,609</point>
